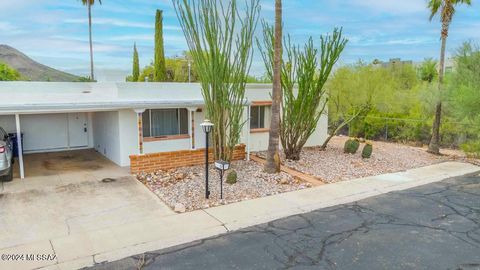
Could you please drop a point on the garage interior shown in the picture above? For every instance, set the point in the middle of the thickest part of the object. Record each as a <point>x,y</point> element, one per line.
<point>55,143</point>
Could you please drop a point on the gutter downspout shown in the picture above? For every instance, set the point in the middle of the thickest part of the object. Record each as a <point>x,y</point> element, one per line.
<point>19,146</point>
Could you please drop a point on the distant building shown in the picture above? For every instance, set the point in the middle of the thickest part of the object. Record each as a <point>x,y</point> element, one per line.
<point>392,62</point>
<point>449,65</point>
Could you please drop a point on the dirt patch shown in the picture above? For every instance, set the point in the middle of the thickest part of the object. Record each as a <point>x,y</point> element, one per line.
<point>47,165</point>
<point>66,157</point>
<point>28,196</point>
<point>70,164</point>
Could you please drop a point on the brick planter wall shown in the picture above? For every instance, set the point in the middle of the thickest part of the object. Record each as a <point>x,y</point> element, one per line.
<point>176,159</point>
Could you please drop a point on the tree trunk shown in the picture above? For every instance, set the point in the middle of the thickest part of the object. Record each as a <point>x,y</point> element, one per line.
<point>90,36</point>
<point>325,143</point>
<point>434,146</point>
<point>273,156</point>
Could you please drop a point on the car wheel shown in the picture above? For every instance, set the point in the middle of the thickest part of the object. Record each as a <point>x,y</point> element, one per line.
<point>9,176</point>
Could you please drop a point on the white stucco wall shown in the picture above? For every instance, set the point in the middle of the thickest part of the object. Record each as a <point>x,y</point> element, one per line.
<point>106,139</point>
<point>128,135</point>
<point>320,134</point>
<point>259,141</point>
<point>199,134</point>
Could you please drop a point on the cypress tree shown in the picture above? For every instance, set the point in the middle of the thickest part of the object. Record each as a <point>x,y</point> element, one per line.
<point>136,64</point>
<point>159,63</point>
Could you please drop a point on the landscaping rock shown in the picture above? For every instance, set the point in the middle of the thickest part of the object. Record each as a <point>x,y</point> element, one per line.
<point>284,181</point>
<point>179,208</point>
<point>251,183</point>
<point>332,165</point>
<point>179,176</point>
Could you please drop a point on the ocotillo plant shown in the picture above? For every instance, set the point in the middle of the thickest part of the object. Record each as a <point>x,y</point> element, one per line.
<point>220,44</point>
<point>304,74</point>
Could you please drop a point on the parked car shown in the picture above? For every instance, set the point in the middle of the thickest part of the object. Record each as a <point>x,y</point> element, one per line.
<point>6,156</point>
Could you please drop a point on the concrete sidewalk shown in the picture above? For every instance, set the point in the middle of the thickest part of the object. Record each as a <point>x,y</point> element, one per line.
<point>116,242</point>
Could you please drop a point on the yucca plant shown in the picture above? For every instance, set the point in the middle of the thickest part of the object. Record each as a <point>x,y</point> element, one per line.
<point>220,45</point>
<point>304,74</point>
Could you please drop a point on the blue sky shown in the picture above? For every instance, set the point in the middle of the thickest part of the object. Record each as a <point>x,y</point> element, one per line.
<point>56,34</point>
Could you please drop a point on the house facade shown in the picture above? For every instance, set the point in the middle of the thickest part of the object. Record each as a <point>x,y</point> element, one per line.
<point>146,126</point>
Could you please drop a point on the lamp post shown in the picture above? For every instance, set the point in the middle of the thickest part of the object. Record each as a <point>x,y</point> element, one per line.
<point>222,166</point>
<point>207,127</point>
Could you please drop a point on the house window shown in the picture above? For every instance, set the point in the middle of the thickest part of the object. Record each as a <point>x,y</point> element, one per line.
<point>260,117</point>
<point>165,122</point>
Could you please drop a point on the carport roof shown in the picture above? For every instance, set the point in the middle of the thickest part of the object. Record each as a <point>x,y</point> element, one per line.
<point>33,97</point>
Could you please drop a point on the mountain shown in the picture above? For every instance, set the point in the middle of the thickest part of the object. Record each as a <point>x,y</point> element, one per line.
<point>32,70</point>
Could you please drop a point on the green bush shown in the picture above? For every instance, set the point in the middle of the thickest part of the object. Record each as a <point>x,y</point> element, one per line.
<point>351,146</point>
<point>472,149</point>
<point>367,150</point>
<point>232,177</point>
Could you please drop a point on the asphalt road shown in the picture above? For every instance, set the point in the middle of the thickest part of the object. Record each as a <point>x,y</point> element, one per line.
<point>430,227</point>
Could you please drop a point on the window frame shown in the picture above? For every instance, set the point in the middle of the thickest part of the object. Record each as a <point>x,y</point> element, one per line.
<point>266,125</point>
<point>178,136</point>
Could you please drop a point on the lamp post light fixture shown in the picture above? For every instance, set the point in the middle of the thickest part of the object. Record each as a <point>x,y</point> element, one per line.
<point>221,166</point>
<point>207,127</point>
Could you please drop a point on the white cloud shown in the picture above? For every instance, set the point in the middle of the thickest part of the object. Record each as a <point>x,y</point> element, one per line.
<point>392,6</point>
<point>172,41</point>
<point>9,29</point>
<point>109,21</point>
<point>120,23</point>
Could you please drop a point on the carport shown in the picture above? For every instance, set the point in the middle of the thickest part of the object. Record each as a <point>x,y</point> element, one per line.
<point>48,132</point>
<point>52,117</point>
<point>104,117</point>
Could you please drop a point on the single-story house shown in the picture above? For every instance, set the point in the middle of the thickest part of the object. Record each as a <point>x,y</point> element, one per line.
<point>142,125</point>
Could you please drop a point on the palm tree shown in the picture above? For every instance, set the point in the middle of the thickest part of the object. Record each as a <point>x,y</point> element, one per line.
<point>89,4</point>
<point>446,8</point>
<point>273,156</point>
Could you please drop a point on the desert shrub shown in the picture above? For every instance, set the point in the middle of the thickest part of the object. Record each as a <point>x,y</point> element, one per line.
<point>367,150</point>
<point>232,177</point>
<point>472,148</point>
<point>403,105</point>
<point>351,146</point>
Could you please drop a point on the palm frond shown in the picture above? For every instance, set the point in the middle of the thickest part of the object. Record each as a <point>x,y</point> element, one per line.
<point>434,6</point>
<point>90,2</point>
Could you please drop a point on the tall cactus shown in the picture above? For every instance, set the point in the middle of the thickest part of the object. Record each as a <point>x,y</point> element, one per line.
<point>220,44</point>
<point>304,74</point>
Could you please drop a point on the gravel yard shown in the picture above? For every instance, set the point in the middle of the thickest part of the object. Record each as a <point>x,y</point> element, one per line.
<point>184,189</point>
<point>333,165</point>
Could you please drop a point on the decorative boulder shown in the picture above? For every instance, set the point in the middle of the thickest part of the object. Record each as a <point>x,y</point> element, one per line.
<point>367,150</point>
<point>351,146</point>
<point>179,208</point>
<point>232,177</point>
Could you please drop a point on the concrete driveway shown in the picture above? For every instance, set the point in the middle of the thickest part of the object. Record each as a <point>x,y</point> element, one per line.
<point>436,226</point>
<point>68,193</point>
